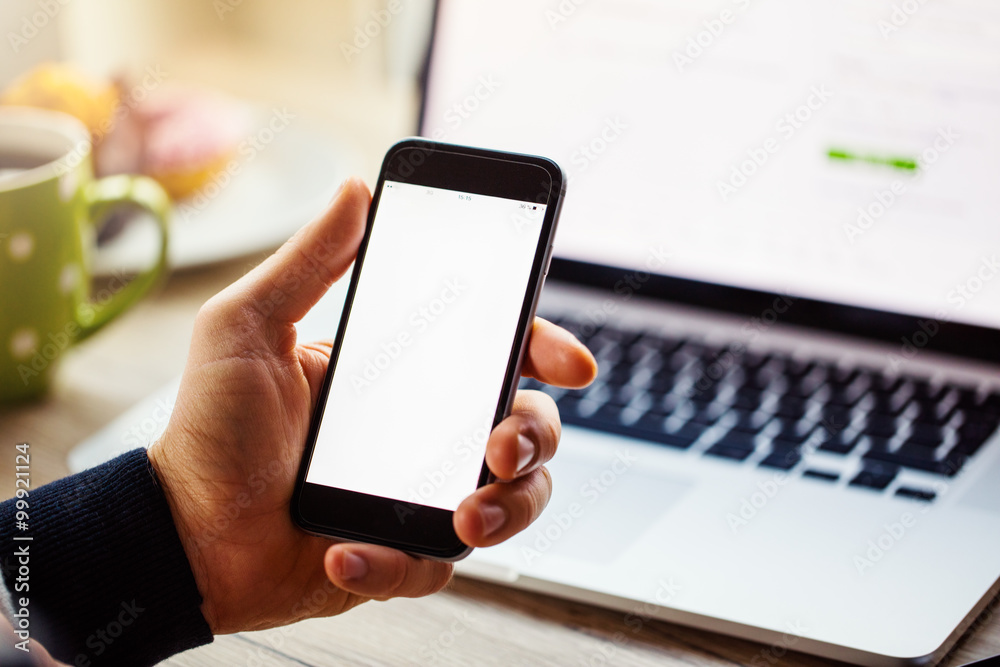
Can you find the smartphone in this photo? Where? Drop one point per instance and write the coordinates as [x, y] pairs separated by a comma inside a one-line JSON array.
[[428, 353]]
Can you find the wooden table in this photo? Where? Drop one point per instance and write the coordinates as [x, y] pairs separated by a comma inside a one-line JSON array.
[[470, 623]]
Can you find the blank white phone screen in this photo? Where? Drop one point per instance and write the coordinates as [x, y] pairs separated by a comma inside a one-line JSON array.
[[428, 340]]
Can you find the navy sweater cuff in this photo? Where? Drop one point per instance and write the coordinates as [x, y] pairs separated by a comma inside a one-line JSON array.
[[109, 583]]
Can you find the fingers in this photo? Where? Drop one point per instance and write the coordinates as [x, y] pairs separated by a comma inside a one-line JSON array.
[[500, 510], [527, 438], [517, 449], [381, 572], [556, 357], [290, 282]]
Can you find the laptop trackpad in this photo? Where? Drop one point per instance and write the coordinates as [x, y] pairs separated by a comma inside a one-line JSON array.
[[599, 508], [985, 493]]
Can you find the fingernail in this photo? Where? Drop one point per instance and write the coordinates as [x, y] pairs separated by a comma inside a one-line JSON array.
[[493, 517], [525, 452], [352, 566]]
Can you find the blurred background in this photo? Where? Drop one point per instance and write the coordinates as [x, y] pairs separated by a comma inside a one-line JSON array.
[[295, 96], [288, 54]]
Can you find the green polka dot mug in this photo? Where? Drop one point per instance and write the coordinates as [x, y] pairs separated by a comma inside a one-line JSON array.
[[49, 201]]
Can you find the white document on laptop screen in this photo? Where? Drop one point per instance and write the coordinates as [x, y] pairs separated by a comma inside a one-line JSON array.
[[767, 144]]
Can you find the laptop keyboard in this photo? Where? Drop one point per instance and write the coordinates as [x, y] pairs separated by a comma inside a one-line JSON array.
[[772, 410]]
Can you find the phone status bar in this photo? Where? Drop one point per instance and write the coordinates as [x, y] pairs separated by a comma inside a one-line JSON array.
[[528, 208]]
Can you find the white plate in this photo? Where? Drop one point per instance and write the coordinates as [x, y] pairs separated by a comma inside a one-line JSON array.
[[277, 190]]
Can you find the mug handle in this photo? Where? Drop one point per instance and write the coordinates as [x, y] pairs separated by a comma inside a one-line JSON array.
[[101, 195]]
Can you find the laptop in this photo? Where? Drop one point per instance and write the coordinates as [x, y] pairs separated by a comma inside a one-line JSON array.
[[780, 242]]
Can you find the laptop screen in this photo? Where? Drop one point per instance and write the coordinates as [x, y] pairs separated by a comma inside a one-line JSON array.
[[847, 152]]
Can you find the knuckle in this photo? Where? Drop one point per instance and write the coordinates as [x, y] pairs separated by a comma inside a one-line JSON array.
[[399, 577], [552, 432], [537, 493], [544, 490], [312, 261], [225, 309], [437, 579], [209, 312], [544, 424]]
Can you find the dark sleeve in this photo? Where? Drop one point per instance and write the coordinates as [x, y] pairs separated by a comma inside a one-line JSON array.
[[108, 580]]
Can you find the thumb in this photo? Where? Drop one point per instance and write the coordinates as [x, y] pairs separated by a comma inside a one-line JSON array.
[[290, 282]]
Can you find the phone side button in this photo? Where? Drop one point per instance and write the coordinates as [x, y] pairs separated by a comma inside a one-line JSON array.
[[548, 261]]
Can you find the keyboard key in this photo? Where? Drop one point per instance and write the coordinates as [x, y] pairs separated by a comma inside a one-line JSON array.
[[933, 414], [652, 420], [583, 331], [918, 457], [669, 403], [781, 458], [840, 376], [624, 337], [916, 494], [598, 392], [568, 405], [801, 387], [824, 475], [704, 417], [926, 392], [841, 442], [880, 426], [927, 434], [748, 420], [749, 400], [876, 475], [688, 430], [650, 430], [704, 393], [911, 456], [977, 425], [623, 395], [797, 368], [619, 374], [665, 344], [991, 403], [791, 406], [662, 383], [727, 451], [642, 352], [790, 431], [968, 445], [737, 438], [754, 360], [735, 444], [608, 413], [953, 462], [918, 451], [886, 384], [889, 404], [834, 418], [847, 395]]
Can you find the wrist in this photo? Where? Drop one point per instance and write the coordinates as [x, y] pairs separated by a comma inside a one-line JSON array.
[[183, 504]]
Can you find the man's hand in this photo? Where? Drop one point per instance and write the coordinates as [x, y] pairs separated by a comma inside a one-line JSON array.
[[229, 456]]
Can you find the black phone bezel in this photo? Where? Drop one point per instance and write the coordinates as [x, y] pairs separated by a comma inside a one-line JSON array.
[[420, 529]]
